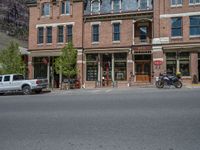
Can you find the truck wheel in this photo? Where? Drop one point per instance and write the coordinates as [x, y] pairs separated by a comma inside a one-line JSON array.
[[1, 94], [38, 91], [26, 90]]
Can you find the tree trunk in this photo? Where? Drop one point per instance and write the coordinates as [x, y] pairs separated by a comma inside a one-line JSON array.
[[60, 80]]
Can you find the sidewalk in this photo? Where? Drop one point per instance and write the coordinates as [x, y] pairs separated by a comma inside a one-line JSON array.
[[193, 86]]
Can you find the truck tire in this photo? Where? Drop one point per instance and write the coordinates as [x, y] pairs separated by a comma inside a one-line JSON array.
[[1, 94], [26, 90]]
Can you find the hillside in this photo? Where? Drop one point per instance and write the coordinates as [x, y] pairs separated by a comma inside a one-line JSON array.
[[5, 39], [13, 22]]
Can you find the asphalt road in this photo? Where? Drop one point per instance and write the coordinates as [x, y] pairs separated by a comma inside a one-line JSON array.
[[102, 119]]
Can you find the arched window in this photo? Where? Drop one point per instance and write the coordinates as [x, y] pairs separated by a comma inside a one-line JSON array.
[[95, 6]]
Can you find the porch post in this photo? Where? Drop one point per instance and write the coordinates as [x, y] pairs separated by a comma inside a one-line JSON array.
[[30, 67], [113, 78], [177, 62], [48, 71], [99, 68], [134, 79]]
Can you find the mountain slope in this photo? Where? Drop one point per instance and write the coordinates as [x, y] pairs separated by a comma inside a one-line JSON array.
[[13, 22]]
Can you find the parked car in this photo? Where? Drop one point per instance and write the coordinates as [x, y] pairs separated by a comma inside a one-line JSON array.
[[17, 83]]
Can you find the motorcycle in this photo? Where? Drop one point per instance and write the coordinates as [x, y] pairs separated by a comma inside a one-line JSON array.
[[168, 80]]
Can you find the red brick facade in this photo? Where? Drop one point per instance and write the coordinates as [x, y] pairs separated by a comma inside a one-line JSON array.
[[164, 42], [141, 51]]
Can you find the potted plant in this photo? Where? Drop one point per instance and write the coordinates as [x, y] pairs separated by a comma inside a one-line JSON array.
[[179, 75]]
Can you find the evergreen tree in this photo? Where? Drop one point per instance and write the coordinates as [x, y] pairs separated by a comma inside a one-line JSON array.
[[11, 60]]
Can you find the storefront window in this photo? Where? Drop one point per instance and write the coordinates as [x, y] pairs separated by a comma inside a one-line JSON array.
[[171, 63], [184, 64], [183, 59], [92, 67], [120, 66], [40, 67]]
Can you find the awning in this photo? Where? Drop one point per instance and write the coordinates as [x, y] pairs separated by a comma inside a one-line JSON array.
[[109, 50], [186, 47], [24, 51], [46, 53]]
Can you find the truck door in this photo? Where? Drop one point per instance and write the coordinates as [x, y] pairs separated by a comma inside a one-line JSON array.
[[17, 80], [1, 83], [7, 84]]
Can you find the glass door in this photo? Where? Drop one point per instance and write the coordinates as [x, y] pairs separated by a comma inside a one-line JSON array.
[[143, 71], [107, 70]]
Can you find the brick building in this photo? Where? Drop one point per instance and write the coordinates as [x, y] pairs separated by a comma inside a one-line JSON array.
[[177, 37], [118, 41]]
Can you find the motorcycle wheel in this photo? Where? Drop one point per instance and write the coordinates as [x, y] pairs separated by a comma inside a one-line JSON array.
[[159, 84], [178, 84]]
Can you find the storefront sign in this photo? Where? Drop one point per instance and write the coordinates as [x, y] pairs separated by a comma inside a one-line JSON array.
[[142, 49], [158, 62]]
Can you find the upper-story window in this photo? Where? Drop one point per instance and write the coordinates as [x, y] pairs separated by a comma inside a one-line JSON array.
[[144, 4], [65, 9], [194, 2], [116, 31], [116, 5], [176, 2], [95, 33], [95, 6], [69, 35], [60, 34], [176, 27], [49, 35], [46, 9], [195, 26], [40, 39], [143, 33]]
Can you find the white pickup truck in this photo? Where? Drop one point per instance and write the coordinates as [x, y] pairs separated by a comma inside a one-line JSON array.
[[17, 83]]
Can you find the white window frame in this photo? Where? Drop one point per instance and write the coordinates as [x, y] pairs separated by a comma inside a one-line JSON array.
[[120, 5], [92, 6], [65, 14], [148, 4], [194, 3], [176, 5], [43, 15]]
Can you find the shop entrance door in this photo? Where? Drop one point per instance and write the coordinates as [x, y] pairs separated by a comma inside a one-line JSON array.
[[143, 71], [107, 70]]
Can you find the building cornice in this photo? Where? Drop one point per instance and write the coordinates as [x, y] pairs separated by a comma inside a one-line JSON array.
[[33, 3], [179, 15], [181, 46], [119, 16]]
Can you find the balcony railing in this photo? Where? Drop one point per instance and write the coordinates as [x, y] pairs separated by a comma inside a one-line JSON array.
[[139, 41]]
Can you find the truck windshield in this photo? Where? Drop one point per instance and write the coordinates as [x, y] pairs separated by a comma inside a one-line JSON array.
[[0, 79]]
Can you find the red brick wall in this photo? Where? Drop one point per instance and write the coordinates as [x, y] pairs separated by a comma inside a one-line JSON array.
[[55, 17], [105, 34], [162, 27]]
